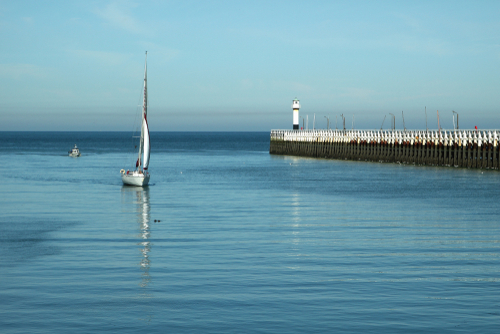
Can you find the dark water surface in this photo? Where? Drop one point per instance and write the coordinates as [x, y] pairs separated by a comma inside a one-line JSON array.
[[243, 242]]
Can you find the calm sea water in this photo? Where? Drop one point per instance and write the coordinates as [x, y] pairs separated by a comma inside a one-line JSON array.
[[229, 239]]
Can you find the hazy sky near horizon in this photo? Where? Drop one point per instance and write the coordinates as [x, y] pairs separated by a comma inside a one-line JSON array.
[[234, 65]]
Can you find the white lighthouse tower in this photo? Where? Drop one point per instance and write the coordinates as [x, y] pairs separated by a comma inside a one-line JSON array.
[[295, 108]]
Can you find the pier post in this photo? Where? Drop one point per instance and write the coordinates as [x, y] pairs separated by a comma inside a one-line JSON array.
[[495, 150]]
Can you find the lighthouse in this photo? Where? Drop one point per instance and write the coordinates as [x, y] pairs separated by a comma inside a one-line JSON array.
[[295, 108]]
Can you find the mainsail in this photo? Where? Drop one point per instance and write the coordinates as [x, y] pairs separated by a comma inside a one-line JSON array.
[[147, 148], [144, 145]]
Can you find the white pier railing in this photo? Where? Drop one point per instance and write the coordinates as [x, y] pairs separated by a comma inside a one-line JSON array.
[[437, 137]]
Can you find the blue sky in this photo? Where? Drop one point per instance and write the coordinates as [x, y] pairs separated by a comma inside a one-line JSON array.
[[237, 66]]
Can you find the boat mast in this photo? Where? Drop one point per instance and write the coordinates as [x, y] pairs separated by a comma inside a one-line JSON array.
[[145, 99], [144, 110]]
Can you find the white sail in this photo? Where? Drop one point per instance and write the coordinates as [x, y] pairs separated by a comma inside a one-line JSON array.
[[147, 148], [144, 143], [145, 128]]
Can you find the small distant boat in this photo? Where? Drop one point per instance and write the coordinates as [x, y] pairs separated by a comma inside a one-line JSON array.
[[75, 152], [140, 176]]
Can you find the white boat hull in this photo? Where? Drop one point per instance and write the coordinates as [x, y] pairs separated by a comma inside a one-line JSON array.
[[135, 179]]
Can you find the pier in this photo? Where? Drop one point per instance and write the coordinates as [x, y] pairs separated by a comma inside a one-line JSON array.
[[453, 148]]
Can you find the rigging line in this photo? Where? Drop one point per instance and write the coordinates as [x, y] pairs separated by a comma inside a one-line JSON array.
[[137, 125], [133, 139]]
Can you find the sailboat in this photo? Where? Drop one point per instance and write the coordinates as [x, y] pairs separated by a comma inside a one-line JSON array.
[[140, 176]]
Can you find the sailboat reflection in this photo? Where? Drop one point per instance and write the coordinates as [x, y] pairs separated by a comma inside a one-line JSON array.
[[138, 198]]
